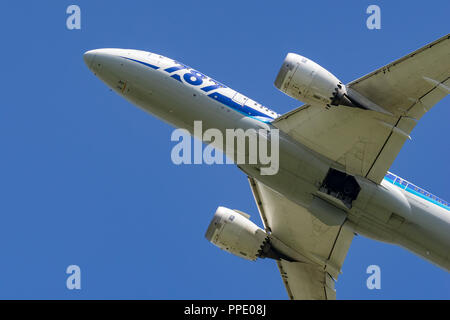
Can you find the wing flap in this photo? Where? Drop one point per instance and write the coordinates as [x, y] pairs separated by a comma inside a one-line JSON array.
[[324, 247], [306, 282], [400, 132]]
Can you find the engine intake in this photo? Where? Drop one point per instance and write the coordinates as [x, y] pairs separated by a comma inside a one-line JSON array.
[[232, 231], [305, 80]]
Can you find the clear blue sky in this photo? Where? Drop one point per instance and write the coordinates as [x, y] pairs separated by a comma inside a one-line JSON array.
[[86, 178]]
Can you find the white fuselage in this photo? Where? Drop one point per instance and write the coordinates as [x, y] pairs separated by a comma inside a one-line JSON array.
[[394, 211]]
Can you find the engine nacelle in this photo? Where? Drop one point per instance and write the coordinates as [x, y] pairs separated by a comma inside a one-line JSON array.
[[305, 80], [232, 231]]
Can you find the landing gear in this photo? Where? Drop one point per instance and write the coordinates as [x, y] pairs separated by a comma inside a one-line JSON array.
[[341, 186]]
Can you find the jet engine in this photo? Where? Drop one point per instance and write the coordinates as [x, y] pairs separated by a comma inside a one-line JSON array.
[[232, 231], [305, 80]]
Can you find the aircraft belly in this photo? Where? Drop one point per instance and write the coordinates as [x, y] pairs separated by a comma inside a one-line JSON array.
[[378, 213]]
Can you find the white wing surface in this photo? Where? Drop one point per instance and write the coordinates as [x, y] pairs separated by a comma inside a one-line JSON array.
[[366, 142], [322, 247]]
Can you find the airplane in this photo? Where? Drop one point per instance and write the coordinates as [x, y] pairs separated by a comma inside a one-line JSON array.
[[334, 155]]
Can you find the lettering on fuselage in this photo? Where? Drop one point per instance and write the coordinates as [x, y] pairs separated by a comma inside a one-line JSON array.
[[193, 77], [210, 87]]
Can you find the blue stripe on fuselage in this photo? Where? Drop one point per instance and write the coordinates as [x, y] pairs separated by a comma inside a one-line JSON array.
[[426, 198], [144, 63], [243, 109], [412, 191]]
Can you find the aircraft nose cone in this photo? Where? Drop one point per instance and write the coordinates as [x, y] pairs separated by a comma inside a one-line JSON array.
[[89, 58]]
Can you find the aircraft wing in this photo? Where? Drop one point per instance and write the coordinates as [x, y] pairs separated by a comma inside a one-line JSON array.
[[366, 142], [322, 248]]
